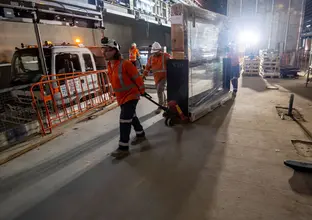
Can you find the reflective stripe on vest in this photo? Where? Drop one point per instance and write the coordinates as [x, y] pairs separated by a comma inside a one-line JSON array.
[[124, 88], [135, 77], [163, 66], [122, 84]]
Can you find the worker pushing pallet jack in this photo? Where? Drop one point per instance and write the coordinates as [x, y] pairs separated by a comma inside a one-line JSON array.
[[128, 86]]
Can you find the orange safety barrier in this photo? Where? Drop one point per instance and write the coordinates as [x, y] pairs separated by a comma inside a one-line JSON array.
[[62, 97]]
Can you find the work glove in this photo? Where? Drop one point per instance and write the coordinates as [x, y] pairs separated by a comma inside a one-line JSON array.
[[144, 94]]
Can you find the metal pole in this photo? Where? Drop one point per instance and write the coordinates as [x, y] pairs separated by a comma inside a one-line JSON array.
[[257, 3], [310, 55], [301, 24], [287, 26], [291, 104], [102, 23], [241, 8], [271, 26], [278, 43], [308, 77], [39, 42]]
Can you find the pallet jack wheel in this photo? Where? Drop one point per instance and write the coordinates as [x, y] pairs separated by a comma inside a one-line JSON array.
[[165, 115], [169, 122]]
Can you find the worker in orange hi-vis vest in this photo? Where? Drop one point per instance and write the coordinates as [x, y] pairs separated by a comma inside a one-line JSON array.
[[134, 54], [157, 64], [128, 86], [234, 56]]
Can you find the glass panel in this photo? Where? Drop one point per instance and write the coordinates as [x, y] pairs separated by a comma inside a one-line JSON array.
[[205, 56]]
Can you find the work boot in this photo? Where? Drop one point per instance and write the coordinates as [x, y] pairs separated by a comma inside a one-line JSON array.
[[120, 153], [138, 140], [158, 111]]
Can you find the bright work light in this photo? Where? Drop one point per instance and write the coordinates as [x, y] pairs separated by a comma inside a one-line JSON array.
[[248, 38]]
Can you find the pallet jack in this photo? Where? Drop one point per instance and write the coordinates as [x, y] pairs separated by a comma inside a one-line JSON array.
[[172, 112]]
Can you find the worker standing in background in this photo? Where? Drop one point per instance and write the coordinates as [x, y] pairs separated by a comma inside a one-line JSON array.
[[128, 86], [134, 54], [157, 64], [233, 55]]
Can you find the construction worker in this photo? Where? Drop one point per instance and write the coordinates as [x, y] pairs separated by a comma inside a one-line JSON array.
[[127, 86], [233, 55], [157, 64], [134, 54]]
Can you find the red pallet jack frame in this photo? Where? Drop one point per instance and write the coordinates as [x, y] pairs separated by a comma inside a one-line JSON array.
[[172, 114]]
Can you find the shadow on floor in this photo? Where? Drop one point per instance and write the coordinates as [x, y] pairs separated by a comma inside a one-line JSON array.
[[173, 180], [27, 177], [301, 183], [255, 83]]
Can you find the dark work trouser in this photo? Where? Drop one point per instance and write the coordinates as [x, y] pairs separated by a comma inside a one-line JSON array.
[[235, 76], [127, 118], [234, 84], [160, 87]]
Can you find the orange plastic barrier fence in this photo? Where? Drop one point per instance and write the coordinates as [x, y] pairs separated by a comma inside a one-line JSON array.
[[62, 97]]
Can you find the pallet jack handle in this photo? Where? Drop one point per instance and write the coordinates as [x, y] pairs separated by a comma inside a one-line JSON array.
[[150, 98]]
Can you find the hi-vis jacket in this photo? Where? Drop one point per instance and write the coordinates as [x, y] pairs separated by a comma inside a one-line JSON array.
[[133, 54], [158, 66], [126, 81]]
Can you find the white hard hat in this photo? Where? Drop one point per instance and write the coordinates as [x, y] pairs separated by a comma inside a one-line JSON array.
[[155, 47], [111, 43], [133, 44]]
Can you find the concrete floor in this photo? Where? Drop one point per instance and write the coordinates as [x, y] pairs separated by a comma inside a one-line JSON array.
[[296, 86], [228, 165]]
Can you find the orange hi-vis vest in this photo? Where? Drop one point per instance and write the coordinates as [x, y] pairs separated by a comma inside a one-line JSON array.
[[133, 54], [126, 81], [158, 66]]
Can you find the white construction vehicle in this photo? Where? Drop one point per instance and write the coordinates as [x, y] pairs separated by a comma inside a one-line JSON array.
[[59, 59]]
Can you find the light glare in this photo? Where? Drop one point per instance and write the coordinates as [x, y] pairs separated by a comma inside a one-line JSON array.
[[248, 38]]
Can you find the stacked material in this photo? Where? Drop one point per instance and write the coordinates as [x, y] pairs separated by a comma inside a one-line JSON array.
[[250, 67], [269, 63]]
